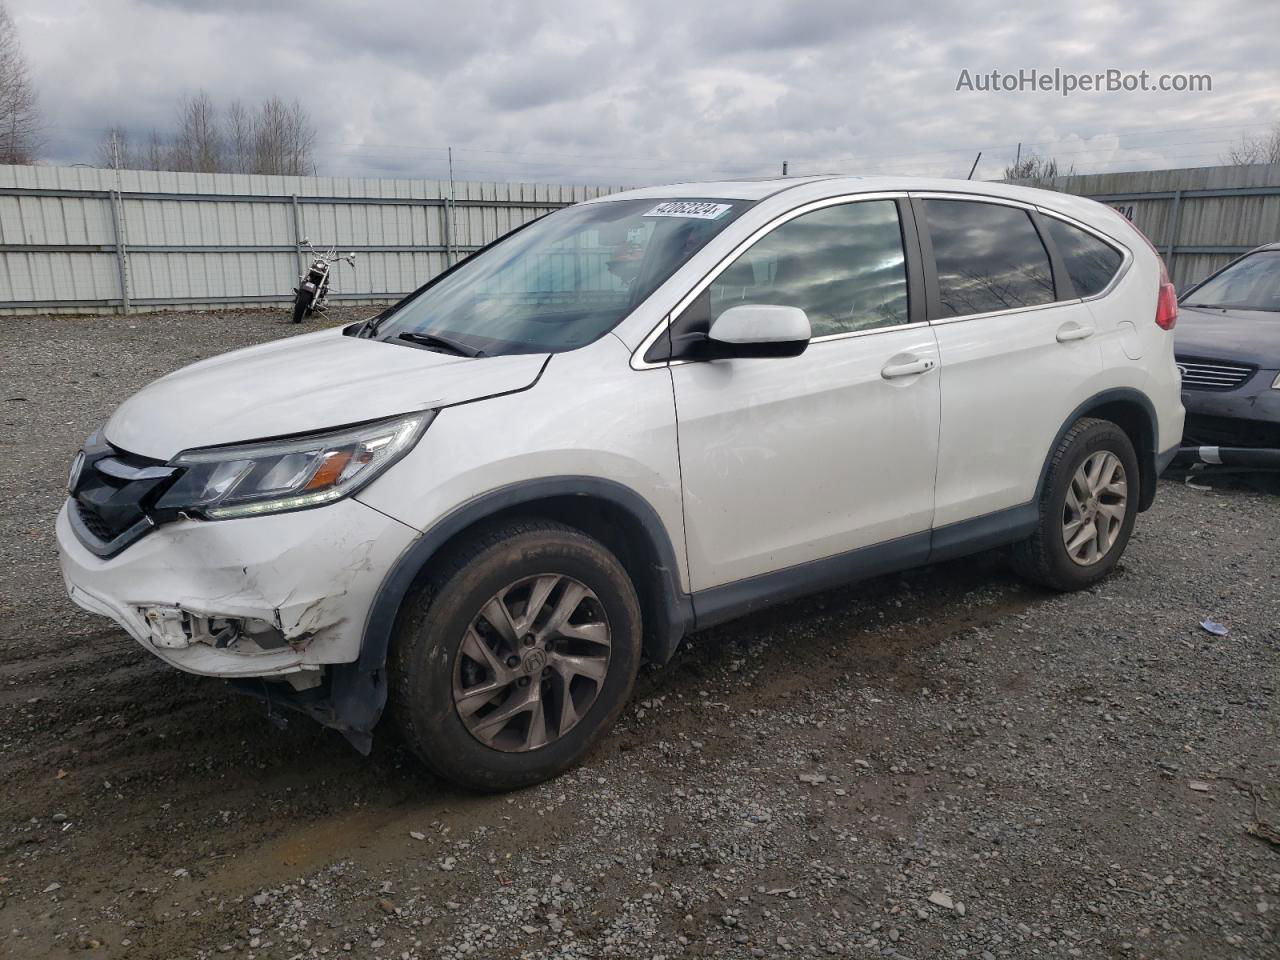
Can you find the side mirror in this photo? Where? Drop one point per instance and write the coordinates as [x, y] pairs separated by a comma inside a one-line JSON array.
[[758, 330]]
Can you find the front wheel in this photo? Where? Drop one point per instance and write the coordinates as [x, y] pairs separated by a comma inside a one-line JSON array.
[[516, 657], [302, 305], [1087, 508]]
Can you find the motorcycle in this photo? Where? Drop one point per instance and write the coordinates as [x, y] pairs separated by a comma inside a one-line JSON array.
[[313, 286]]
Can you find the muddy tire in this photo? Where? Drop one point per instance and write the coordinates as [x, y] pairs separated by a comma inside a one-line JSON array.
[[515, 657], [1087, 509]]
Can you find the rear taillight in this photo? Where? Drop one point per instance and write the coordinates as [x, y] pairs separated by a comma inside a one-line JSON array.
[[1166, 296], [1166, 302]]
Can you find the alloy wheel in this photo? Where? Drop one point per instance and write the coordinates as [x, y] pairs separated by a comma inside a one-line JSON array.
[[1097, 499], [531, 663]]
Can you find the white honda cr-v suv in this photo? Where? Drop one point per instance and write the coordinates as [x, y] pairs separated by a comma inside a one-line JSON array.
[[625, 421]]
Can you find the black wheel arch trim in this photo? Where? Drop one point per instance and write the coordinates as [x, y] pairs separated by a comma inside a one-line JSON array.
[[1148, 455], [358, 690]]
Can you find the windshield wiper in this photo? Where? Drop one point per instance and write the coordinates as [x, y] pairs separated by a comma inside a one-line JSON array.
[[370, 326], [1232, 306], [433, 341]]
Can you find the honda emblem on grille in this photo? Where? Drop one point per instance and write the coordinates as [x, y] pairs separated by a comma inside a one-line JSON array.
[[73, 478]]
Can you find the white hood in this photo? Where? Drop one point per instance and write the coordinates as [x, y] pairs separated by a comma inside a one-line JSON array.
[[302, 385]]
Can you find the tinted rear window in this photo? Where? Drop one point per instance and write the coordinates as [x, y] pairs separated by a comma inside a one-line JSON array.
[[1090, 263], [989, 257]]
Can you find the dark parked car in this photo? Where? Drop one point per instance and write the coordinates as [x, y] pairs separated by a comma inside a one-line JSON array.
[[1228, 349]]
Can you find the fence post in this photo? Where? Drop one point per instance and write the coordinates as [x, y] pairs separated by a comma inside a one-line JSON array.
[[1175, 222], [452, 216], [447, 234], [122, 255], [297, 233]]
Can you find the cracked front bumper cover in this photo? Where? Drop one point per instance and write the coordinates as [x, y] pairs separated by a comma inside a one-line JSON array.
[[1234, 429], [1248, 416], [311, 574]]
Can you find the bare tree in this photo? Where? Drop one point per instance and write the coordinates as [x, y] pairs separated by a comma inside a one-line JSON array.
[[116, 149], [1036, 169], [239, 138], [278, 138], [156, 155], [301, 140], [198, 143], [108, 152], [284, 138], [1259, 149], [268, 137], [19, 120]]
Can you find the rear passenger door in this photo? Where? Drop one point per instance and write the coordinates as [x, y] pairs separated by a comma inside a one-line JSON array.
[[1018, 350]]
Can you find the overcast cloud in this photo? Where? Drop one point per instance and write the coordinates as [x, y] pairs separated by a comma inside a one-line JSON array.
[[606, 91]]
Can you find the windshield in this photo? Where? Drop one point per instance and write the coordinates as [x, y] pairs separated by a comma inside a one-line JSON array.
[[1249, 284], [562, 281]]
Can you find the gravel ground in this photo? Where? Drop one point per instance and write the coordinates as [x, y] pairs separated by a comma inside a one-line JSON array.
[[945, 763]]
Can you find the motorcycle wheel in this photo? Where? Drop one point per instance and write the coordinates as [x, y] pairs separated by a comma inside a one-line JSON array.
[[301, 305]]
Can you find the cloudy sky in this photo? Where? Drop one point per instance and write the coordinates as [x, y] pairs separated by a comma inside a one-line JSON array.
[[631, 92]]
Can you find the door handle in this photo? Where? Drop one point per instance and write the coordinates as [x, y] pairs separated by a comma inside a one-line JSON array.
[[906, 368], [1074, 331]]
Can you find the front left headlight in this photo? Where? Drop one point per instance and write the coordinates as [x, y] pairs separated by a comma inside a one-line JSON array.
[[221, 483]]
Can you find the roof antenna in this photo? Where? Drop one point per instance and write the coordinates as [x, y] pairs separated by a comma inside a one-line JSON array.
[[975, 165]]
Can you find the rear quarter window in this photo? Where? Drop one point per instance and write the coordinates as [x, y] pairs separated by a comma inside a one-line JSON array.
[[1090, 262]]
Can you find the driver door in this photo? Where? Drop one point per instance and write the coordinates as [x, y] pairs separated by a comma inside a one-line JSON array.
[[787, 461]]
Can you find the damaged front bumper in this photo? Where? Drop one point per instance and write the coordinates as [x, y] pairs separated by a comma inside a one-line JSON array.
[[277, 597], [1233, 429], [1235, 458]]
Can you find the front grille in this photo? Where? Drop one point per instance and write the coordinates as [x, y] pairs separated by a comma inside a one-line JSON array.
[[1212, 374], [113, 497], [94, 522]]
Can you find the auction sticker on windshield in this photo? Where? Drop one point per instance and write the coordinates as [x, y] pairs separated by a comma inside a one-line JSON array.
[[698, 209]]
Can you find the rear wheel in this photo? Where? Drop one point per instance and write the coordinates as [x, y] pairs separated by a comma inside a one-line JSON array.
[[1087, 508], [516, 657]]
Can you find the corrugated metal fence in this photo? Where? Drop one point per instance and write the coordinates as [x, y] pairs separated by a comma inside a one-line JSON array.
[[87, 240], [1199, 217]]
